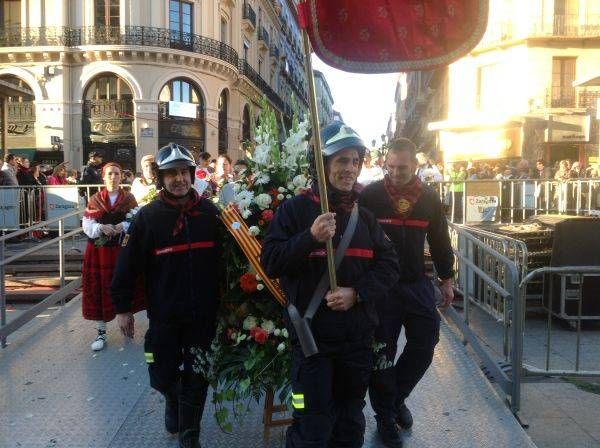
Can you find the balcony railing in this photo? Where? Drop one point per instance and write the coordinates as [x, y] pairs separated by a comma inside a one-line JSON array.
[[249, 15], [124, 35], [589, 98], [263, 36], [560, 97], [246, 70]]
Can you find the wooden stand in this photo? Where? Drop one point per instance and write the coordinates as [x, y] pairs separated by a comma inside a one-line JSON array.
[[268, 412]]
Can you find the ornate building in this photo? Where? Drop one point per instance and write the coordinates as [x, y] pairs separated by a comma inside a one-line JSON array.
[[516, 94], [123, 77]]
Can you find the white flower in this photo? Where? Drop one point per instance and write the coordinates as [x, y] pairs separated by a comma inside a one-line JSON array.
[[246, 214], [284, 333], [236, 187], [243, 199], [277, 332], [254, 230], [281, 347], [268, 326], [288, 196], [280, 197], [291, 186], [261, 154], [261, 178], [128, 215], [260, 287], [263, 200], [250, 322], [299, 181], [257, 277], [281, 189]]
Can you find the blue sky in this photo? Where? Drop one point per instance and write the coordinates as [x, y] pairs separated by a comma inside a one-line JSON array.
[[365, 101]]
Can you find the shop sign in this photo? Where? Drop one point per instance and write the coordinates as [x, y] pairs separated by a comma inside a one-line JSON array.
[[9, 208], [567, 128], [60, 201], [179, 109], [147, 132]]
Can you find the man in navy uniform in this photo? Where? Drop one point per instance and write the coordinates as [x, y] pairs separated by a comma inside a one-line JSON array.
[[409, 212], [328, 388], [174, 242]]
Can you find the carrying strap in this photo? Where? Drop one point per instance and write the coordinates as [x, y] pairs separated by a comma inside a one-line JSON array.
[[323, 284]]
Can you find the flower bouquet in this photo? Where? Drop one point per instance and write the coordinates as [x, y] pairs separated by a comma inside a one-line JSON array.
[[250, 353]]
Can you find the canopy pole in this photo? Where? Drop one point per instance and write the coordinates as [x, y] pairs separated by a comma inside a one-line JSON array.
[[316, 135]]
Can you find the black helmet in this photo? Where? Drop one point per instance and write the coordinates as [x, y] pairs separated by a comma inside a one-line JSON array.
[[174, 156], [336, 137]]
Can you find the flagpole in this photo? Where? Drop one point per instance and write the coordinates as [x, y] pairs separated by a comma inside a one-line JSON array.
[[318, 153]]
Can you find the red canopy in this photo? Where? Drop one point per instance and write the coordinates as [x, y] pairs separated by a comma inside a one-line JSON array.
[[380, 36]]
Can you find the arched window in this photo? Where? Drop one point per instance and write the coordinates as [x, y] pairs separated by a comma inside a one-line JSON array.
[[181, 114], [19, 134], [246, 124], [108, 115], [223, 131]]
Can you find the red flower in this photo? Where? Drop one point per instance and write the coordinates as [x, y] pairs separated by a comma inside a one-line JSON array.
[[267, 215], [261, 222], [229, 333], [248, 282], [201, 174], [260, 335]]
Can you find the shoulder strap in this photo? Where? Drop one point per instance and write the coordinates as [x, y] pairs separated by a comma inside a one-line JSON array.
[[323, 284]]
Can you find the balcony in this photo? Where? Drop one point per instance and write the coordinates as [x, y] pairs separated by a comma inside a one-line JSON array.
[[143, 36], [247, 71], [248, 18], [274, 53], [263, 39], [588, 98], [560, 97]]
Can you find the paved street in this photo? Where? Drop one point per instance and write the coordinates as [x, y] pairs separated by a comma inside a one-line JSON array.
[[54, 392]]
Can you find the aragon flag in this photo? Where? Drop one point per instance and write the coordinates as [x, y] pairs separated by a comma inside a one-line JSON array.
[[383, 36]]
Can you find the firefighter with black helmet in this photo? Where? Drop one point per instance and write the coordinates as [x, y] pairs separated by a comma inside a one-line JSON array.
[[329, 387], [174, 243]]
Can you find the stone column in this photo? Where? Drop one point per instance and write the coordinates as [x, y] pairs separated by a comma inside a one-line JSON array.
[[212, 131], [146, 129]]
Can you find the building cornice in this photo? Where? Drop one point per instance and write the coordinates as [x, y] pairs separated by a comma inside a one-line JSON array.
[[539, 42]]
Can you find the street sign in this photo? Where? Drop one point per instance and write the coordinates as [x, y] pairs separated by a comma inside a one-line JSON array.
[[54, 140]]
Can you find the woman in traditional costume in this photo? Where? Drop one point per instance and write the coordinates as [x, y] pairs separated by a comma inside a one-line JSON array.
[[104, 222]]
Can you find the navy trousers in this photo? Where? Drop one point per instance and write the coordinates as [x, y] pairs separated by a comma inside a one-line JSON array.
[[412, 306]]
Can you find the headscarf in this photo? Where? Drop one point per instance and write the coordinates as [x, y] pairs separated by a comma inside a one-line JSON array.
[[403, 198], [99, 204]]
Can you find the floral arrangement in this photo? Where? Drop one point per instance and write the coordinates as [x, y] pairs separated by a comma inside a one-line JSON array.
[[250, 353]]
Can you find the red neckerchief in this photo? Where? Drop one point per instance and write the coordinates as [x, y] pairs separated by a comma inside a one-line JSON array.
[[339, 201], [99, 204], [185, 209], [403, 198]]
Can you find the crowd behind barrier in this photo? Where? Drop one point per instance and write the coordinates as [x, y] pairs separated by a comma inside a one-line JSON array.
[[471, 201]]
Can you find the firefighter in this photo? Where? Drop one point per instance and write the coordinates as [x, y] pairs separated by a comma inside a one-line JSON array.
[[328, 388], [409, 212], [174, 242]]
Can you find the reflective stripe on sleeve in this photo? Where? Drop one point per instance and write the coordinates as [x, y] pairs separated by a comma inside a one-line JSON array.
[[298, 401], [149, 357]]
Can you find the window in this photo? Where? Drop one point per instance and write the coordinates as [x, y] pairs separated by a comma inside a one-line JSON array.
[[223, 131], [179, 90], [106, 12], [10, 13], [260, 64], [246, 48], [180, 22], [563, 75], [566, 17], [224, 31]]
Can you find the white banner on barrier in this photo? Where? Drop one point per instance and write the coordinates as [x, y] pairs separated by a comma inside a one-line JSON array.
[[60, 201], [482, 208], [9, 208]]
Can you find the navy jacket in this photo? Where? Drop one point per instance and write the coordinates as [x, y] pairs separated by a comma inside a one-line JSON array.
[[427, 220], [370, 266], [181, 272]]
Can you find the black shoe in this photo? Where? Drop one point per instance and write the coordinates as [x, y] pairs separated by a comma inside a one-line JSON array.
[[172, 415], [403, 417], [189, 425], [389, 434]]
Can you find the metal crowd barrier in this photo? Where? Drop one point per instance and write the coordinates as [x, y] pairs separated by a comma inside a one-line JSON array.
[[500, 279], [490, 278], [7, 329]]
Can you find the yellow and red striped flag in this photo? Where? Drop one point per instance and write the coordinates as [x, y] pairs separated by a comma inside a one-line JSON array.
[[251, 247]]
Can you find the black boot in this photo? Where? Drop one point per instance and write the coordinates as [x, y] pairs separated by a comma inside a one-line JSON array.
[[189, 425], [404, 417], [172, 413], [390, 436]]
